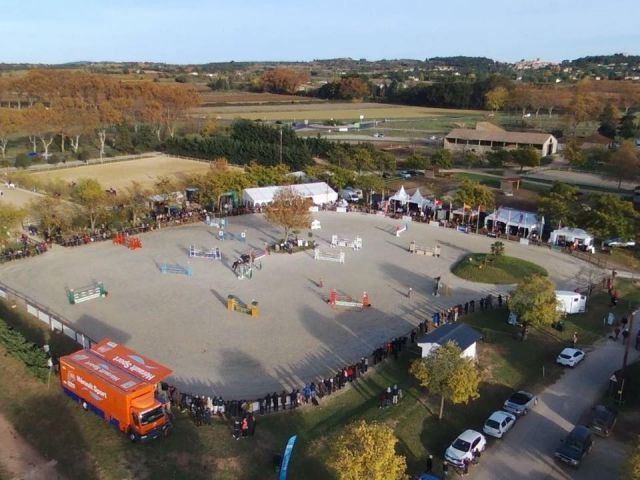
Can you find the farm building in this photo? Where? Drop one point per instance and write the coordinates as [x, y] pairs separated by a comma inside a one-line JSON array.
[[461, 334], [320, 193], [485, 138]]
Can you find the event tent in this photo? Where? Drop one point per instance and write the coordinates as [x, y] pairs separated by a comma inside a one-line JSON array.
[[417, 198], [400, 197], [320, 193], [565, 235], [525, 222]]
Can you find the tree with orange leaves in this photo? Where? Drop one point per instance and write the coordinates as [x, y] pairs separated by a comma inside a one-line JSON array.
[[282, 80]]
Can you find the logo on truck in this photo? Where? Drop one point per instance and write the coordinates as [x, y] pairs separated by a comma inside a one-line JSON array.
[[94, 391], [132, 367]]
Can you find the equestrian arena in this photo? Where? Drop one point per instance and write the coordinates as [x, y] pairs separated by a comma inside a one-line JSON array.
[[173, 306]]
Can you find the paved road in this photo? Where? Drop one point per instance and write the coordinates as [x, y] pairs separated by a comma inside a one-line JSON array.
[[527, 451]]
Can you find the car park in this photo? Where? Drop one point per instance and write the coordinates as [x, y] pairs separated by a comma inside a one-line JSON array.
[[463, 448], [570, 357], [602, 420], [499, 423], [577, 444], [519, 403]]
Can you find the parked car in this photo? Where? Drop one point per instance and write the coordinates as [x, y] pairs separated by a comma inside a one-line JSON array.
[[577, 444], [499, 423], [378, 135], [619, 242], [429, 476], [404, 174], [463, 447], [520, 403], [570, 357], [602, 420]]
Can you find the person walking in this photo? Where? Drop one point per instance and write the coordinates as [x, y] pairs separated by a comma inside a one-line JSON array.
[[574, 340], [465, 467], [245, 427], [445, 469], [409, 293]]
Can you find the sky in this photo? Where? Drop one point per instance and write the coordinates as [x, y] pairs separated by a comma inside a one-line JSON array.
[[200, 31]]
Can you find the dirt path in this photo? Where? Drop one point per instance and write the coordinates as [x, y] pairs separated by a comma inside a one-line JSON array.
[[20, 459]]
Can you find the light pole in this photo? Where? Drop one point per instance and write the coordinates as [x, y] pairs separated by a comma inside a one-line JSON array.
[[280, 144]]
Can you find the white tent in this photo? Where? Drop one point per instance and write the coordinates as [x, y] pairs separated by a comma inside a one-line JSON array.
[[400, 196], [417, 198], [512, 218], [320, 193], [566, 235]]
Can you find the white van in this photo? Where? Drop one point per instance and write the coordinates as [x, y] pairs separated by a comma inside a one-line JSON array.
[[571, 302], [349, 195]]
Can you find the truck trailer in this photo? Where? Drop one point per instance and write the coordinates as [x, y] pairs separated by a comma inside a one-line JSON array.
[[119, 386]]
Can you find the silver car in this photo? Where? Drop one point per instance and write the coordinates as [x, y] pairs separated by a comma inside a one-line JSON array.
[[520, 403]]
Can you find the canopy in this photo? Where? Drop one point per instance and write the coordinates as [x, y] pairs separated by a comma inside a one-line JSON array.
[[570, 235], [511, 217], [417, 198], [320, 193], [400, 196]]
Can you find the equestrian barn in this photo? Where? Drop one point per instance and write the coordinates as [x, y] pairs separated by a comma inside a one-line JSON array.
[[485, 138]]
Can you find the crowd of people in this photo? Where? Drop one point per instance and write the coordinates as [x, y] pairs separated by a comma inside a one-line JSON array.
[[25, 247]]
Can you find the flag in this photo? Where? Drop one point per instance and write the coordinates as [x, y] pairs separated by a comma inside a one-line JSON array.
[[287, 456]]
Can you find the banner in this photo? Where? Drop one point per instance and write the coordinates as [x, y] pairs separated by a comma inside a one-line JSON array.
[[287, 456]]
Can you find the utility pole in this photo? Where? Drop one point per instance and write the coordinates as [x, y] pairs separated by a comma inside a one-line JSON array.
[[280, 144]]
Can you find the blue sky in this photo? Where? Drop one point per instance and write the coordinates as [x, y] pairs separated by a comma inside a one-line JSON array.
[[199, 31]]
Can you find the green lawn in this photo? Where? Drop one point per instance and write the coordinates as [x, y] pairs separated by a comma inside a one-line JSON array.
[[499, 270], [85, 447]]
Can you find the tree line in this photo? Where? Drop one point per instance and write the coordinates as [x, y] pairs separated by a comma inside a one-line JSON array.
[[70, 106]]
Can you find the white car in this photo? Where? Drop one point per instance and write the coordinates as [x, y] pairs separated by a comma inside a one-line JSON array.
[[499, 423], [570, 357], [463, 447]]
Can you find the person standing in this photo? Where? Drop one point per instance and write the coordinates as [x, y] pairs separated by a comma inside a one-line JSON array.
[[245, 427], [574, 340], [429, 464], [445, 469], [409, 293], [465, 467]]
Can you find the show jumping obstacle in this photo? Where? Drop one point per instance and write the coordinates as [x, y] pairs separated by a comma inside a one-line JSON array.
[[235, 305], [402, 229], [176, 268], [211, 254], [328, 256], [344, 301], [218, 223], [429, 252], [132, 243], [356, 243], [83, 294]]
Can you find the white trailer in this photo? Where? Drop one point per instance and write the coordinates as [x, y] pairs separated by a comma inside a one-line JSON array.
[[571, 302]]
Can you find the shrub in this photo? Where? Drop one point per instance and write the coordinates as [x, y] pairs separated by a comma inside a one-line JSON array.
[[22, 160], [17, 346], [83, 155]]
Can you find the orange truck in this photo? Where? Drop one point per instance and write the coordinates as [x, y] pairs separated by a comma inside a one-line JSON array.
[[119, 385]]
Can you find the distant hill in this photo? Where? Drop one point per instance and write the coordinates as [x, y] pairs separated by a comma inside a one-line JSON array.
[[615, 59]]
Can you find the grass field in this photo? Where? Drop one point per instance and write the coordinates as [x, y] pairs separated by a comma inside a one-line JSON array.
[[501, 270], [86, 447], [325, 111], [121, 174]]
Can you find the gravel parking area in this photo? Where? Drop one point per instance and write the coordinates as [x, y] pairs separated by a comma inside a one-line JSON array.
[[183, 321]]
